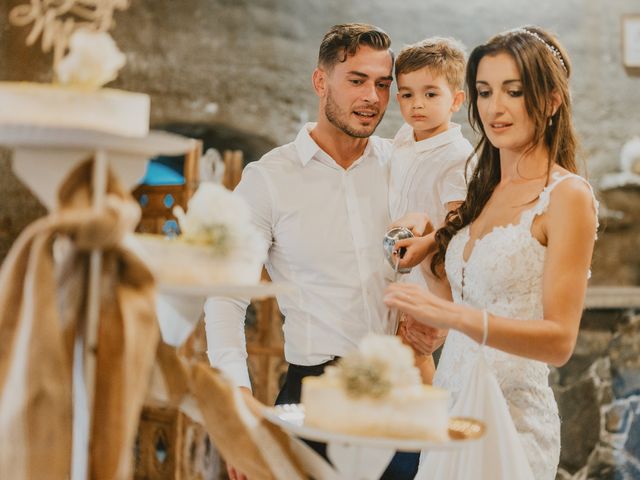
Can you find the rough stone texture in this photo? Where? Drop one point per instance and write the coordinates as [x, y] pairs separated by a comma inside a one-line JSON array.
[[608, 464], [602, 320], [18, 207], [625, 361], [590, 346], [602, 465], [579, 411], [632, 445], [616, 259], [599, 403]]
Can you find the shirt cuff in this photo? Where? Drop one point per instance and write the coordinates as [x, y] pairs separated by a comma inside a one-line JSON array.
[[236, 372]]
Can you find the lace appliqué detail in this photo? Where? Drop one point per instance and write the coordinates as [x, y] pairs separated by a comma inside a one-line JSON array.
[[503, 275]]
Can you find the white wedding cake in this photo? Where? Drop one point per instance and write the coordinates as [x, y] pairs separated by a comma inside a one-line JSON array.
[[77, 101], [376, 391], [105, 110], [217, 244]]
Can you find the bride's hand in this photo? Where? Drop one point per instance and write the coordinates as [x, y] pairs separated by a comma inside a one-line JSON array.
[[422, 305], [419, 223]]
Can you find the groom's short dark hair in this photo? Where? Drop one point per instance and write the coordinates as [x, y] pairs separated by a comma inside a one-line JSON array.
[[341, 41]]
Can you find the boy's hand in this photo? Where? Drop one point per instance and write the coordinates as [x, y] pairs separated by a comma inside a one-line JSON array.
[[419, 223], [417, 249]]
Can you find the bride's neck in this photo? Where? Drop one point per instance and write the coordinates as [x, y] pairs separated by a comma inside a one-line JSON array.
[[522, 166]]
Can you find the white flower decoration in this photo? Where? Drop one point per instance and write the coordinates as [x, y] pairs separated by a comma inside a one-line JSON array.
[[93, 60], [221, 220], [381, 363]]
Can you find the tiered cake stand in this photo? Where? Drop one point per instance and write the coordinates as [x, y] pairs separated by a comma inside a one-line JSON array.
[[42, 158]]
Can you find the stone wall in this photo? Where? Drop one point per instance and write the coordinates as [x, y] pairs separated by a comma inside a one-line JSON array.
[[598, 395], [616, 259], [18, 206]]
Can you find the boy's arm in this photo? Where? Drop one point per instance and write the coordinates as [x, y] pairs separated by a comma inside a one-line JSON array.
[[420, 249]]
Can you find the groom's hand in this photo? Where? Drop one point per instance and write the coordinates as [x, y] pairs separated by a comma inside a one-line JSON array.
[[234, 474], [424, 340]]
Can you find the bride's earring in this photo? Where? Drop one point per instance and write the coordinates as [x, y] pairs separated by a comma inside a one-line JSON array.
[[550, 121]]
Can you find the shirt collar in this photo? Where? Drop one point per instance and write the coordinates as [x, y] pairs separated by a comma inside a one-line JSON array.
[[305, 145], [452, 133], [308, 148]]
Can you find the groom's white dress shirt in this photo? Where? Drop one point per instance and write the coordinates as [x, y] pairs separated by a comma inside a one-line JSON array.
[[324, 226]]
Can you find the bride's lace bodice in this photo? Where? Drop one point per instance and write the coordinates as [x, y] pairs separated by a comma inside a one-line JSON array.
[[503, 275]]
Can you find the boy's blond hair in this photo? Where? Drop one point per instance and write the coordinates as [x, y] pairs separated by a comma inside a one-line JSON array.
[[443, 56]]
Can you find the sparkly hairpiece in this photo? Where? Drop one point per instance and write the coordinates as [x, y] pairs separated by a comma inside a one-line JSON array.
[[555, 52]]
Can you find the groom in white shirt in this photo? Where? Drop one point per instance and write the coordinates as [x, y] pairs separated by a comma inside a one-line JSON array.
[[321, 203]]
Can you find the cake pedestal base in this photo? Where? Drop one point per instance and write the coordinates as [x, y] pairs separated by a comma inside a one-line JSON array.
[[360, 457], [356, 461]]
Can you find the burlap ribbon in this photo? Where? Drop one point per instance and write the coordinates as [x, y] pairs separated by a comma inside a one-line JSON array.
[[43, 291], [234, 421]]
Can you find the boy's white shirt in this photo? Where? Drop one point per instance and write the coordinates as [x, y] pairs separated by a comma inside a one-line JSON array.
[[426, 175]]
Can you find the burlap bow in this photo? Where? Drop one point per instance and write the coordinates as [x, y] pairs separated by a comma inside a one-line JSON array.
[[43, 291]]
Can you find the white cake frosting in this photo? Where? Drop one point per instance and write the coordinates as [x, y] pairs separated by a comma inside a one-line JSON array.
[[218, 243], [376, 391], [106, 110]]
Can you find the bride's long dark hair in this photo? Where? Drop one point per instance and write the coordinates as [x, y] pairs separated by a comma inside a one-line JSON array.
[[544, 70]]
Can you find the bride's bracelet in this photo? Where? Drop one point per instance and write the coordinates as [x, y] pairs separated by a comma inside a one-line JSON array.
[[485, 327]]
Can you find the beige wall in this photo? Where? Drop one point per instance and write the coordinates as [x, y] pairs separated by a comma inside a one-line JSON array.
[[254, 58]]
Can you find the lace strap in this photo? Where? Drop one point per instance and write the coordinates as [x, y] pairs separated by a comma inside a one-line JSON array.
[[545, 197]]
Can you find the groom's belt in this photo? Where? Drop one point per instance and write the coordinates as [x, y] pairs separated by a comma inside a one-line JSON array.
[[315, 370]]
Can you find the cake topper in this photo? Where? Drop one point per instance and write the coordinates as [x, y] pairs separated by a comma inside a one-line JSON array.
[[56, 21]]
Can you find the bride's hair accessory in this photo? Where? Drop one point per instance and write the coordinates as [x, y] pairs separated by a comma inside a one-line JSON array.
[[554, 51]]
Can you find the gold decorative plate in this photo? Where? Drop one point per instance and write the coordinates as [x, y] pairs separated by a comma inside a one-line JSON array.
[[465, 428]]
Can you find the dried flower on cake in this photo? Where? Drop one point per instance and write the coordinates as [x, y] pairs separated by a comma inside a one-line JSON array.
[[221, 221], [381, 364]]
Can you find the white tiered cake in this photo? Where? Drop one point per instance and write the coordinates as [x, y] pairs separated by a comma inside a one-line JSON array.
[[218, 243], [77, 101], [376, 391], [105, 110]]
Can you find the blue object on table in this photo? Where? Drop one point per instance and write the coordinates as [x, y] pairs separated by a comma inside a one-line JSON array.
[[160, 173]]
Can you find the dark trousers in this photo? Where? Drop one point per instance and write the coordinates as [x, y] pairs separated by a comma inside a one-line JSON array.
[[403, 466]]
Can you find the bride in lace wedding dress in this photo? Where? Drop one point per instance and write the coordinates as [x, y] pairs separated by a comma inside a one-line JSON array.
[[516, 254]]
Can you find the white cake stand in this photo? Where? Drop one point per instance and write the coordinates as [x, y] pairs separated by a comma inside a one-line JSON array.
[[179, 307], [42, 158], [362, 457]]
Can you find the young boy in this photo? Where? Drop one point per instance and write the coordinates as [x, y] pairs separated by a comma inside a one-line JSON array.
[[429, 151]]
